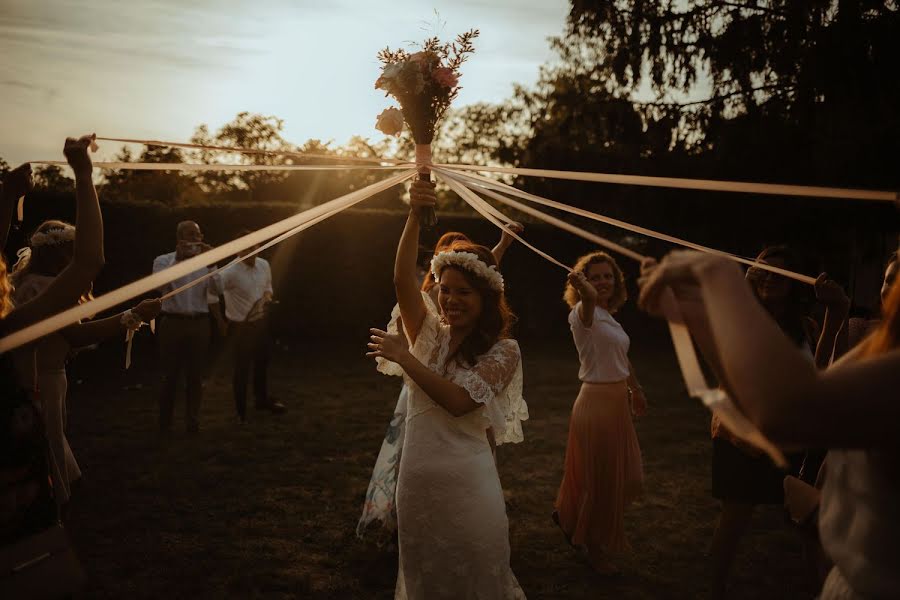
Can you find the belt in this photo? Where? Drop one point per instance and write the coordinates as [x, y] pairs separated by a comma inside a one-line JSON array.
[[184, 316]]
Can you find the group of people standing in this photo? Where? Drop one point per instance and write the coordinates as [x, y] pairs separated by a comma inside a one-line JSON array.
[[462, 395], [61, 259], [184, 328], [451, 340]]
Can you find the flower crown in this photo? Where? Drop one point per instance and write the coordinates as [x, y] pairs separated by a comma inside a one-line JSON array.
[[470, 262], [53, 237]]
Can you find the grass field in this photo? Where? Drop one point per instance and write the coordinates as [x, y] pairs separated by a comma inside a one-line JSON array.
[[269, 509]]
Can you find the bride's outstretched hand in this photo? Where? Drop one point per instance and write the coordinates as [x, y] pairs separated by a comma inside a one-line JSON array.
[[390, 346]]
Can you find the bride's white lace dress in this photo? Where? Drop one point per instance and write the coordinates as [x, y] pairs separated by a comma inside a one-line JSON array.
[[451, 514]]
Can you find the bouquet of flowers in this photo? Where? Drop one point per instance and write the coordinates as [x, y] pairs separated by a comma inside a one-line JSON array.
[[424, 83]]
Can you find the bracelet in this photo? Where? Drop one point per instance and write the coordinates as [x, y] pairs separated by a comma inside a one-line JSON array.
[[131, 321]]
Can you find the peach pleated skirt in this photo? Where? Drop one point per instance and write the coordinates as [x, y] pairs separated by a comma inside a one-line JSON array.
[[603, 471]]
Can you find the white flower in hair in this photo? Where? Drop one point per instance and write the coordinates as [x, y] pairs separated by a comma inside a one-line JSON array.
[[471, 263], [53, 237]]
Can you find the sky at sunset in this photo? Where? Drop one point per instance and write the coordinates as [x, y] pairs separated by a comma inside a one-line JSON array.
[[158, 68]]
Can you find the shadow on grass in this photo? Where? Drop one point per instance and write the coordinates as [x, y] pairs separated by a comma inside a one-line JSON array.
[[269, 509]]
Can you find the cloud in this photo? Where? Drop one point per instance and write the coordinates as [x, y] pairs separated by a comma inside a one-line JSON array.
[[49, 93]]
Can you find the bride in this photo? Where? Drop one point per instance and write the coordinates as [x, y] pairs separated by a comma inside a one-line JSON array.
[[464, 374]]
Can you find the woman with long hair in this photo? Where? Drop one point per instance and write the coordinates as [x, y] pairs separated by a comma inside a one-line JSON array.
[[42, 365], [380, 502], [26, 502], [742, 476], [464, 374], [857, 416], [603, 472]]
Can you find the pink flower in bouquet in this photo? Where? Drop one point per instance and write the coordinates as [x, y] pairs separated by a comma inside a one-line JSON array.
[[390, 121], [445, 77], [424, 57]]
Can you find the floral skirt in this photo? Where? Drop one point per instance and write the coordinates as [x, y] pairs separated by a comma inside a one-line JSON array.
[[380, 505]]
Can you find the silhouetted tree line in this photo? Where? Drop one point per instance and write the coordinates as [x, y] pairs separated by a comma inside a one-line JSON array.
[[750, 90]]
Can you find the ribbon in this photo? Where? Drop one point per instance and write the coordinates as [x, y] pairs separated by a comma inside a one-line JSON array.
[[643, 180], [252, 150], [494, 185], [423, 158], [186, 267], [494, 216], [776, 189], [715, 399], [557, 222], [136, 166]]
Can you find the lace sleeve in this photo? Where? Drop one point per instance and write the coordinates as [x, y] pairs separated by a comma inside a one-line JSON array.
[[496, 382], [387, 367]]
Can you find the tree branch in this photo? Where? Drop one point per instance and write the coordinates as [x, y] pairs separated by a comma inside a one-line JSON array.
[[740, 6], [717, 98]]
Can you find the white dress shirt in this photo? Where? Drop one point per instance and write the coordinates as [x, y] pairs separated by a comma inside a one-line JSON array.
[[192, 301], [243, 287]]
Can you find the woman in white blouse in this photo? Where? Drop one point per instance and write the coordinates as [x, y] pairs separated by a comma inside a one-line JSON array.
[[603, 472]]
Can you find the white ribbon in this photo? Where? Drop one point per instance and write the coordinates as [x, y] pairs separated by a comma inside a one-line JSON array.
[[490, 184], [186, 267], [137, 166], [669, 182], [254, 151], [692, 184], [494, 216]]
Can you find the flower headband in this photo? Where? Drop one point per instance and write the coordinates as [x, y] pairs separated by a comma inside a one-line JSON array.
[[470, 262], [53, 237]]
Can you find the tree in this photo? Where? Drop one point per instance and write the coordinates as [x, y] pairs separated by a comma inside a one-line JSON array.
[[250, 131], [168, 187], [50, 178], [807, 89]]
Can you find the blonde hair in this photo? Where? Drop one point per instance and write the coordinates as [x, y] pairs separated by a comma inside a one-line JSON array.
[[6, 289], [620, 293], [887, 336]]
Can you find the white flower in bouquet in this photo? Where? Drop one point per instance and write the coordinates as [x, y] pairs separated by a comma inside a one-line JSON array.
[[390, 121]]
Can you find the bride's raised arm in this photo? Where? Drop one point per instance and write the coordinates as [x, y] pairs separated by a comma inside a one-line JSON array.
[[406, 284]]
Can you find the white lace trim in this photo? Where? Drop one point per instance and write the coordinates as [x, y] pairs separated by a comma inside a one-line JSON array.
[[504, 409], [387, 367]]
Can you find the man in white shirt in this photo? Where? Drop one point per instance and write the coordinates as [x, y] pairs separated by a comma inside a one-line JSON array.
[[247, 287], [183, 331]]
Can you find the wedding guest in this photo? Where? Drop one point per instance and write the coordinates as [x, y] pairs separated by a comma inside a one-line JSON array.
[[183, 329], [853, 403], [603, 472], [41, 365], [742, 476], [26, 500], [247, 288]]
